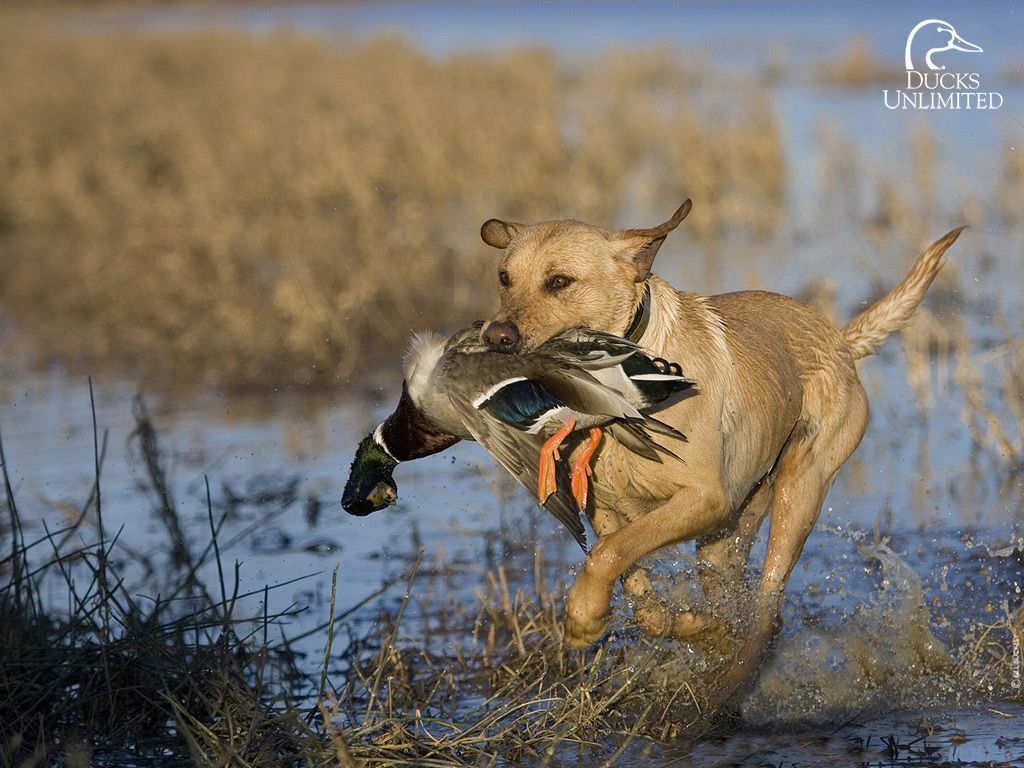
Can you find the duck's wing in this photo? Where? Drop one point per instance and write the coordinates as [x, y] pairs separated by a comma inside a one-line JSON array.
[[606, 376], [584, 358], [518, 451], [588, 346], [582, 391]]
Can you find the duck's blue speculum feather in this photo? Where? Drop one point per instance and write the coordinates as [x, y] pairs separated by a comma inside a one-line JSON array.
[[520, 403]]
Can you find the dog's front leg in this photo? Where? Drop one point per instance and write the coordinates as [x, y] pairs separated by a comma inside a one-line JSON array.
[[692, 512]]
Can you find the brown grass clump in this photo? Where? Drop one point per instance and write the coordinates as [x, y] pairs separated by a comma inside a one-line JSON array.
[[995, 420], [263, 211], [505, 687]]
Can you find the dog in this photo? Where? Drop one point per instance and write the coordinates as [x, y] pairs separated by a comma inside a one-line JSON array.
[[780, 409]]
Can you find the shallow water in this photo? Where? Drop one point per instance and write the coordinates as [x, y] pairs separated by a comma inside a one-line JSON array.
[[930, 737], [921, 539]]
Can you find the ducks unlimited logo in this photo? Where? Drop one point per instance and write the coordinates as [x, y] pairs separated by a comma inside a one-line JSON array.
[[935, 87]]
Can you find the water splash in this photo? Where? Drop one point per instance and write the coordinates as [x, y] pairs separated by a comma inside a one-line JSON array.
[[882, 654]]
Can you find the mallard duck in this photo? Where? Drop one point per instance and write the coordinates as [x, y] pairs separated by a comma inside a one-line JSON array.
[[521, 407]]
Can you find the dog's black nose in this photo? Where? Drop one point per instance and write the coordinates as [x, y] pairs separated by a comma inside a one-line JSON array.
[[502, 334]]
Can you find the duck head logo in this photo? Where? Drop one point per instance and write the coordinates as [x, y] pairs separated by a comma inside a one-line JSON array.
[[940, 36], [932, 86]]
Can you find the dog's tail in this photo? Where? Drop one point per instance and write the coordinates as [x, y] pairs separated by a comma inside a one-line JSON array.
[[891, 312]]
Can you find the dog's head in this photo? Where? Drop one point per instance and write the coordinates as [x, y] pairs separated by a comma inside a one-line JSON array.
[[557, 275]]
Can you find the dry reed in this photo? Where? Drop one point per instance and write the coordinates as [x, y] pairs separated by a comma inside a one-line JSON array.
[[994, 416], [264, 211]]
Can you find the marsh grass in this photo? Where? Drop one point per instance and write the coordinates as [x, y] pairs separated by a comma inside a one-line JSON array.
[[263, 211], [114, 673], [995, 419], [983, 373], [190, 676]]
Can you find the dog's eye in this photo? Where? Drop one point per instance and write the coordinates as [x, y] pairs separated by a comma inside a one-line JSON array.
[[558, 282], [503, 279]]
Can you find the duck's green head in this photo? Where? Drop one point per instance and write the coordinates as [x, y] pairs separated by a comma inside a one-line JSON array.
[[370, 483]]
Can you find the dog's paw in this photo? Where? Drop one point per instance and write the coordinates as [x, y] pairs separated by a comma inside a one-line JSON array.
[[583, 633], [585, 620], [705, 629]]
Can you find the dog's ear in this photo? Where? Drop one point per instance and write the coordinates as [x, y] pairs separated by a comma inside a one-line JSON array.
[[642, 244], [499, 233]]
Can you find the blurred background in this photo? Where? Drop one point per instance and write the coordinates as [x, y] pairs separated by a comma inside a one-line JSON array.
[[224, 194], [242, 210]]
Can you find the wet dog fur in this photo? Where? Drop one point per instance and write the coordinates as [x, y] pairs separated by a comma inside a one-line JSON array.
[[780, 409]]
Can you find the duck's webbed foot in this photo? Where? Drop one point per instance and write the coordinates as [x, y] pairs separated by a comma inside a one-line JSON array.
[[582, 470], [547, 482]]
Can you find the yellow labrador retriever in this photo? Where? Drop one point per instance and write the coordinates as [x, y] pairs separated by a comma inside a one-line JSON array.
[[780, 409]]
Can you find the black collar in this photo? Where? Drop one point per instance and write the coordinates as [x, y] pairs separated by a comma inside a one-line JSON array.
[[642, 317]]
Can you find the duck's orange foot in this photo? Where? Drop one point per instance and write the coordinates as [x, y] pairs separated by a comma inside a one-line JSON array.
[[549, 454], [582, 470]]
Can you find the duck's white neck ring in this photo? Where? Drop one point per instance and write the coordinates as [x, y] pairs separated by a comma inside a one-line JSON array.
[[642, 318], [378, 438]]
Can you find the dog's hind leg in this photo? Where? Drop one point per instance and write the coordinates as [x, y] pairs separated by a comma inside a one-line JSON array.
[[724, 556], [800, 498], [806, 470]]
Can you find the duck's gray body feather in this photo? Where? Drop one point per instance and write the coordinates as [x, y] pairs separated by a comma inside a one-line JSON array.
[[511, 403]]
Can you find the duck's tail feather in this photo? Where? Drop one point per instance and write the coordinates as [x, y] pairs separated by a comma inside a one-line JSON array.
[[656, 378], [633, 437], [660, 427], [682, 381]]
